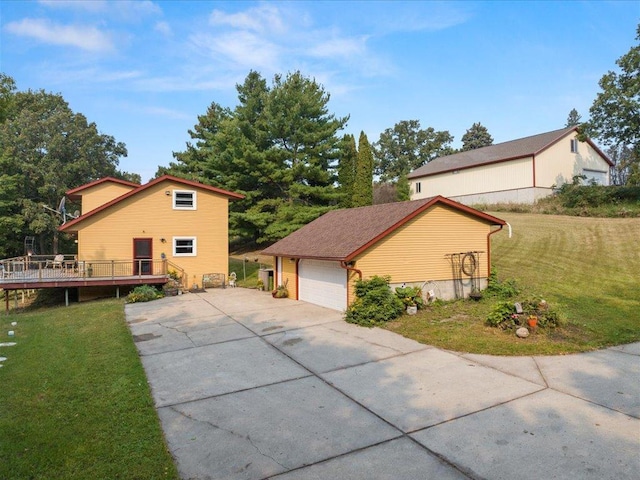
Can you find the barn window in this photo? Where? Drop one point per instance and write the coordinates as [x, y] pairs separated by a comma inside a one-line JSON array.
[[574, 145], [418, 187], [184, 246], [184, 200]]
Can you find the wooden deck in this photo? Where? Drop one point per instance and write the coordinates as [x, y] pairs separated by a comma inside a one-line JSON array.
[[33, 273]]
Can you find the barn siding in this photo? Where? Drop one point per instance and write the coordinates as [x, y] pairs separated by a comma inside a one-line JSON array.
[[108, 235], [557, 165], [515, 174]]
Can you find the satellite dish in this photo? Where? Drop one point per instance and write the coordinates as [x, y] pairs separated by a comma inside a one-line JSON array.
[[62, 204]]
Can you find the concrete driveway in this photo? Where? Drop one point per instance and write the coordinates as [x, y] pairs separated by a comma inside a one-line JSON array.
[[251, 387]]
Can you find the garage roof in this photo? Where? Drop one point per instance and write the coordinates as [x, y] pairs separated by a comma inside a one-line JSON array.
[[501, 152], [343, 234]]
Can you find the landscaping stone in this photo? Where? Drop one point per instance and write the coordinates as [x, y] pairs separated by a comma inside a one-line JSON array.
[[7, 344], [522, 332]]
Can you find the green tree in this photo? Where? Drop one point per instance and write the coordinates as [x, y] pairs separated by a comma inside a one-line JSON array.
[[406, 146], [279, 147], [477, 136], [347, 169], [573, 119], [46, 149], [363, 185], [615, 113]]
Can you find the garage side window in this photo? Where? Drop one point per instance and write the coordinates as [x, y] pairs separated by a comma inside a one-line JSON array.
[[184, 200], [184, 246], [418, 187]]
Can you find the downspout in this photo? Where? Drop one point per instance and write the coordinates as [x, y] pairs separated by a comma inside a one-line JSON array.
[[297, 280], [350, 269], [489, 249]]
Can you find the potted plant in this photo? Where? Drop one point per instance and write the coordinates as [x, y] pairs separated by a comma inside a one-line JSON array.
[[260, 285], [411, 298], [532, 321], [281, 291]]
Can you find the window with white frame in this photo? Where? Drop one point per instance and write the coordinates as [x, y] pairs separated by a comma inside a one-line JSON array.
[[418, 187], [574, 145], [184, 200], [184, 246]]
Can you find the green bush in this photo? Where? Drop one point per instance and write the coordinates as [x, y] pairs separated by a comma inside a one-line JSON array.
[[500, 289], [503, 314], [144, 293], [410, 296], [375, 303]]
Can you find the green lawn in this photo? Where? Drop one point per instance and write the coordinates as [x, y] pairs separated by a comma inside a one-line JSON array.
[[589, 268], [75, 400]]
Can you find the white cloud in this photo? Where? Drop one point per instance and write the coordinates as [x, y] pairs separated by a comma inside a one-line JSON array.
[[164, 28], [339, 47], [84, 37], [264, 18], [242, 49], [87, 5]]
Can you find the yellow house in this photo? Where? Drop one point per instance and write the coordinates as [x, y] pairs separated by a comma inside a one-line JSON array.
[[168, 221], [518, 171], [435, 243]]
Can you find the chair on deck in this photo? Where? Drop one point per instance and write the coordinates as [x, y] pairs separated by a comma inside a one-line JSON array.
[[57, 261]]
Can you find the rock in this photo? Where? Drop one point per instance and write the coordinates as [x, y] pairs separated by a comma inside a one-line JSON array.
[[522, 332]]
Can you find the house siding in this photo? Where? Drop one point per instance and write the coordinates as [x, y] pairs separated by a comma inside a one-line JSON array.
[[509, 175], [416, 252], [98, 195], [108, 235], [289, 274]]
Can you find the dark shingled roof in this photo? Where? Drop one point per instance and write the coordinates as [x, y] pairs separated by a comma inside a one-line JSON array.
[[523, 147], [342, 234]]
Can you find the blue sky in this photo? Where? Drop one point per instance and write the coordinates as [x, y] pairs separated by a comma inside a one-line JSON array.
[[143, 71]]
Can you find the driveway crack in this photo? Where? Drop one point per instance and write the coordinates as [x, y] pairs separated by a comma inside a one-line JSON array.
[[230, 432]]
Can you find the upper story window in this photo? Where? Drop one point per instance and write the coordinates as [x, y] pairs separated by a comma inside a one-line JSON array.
[[418, 187], [184, 200], [574, 145]]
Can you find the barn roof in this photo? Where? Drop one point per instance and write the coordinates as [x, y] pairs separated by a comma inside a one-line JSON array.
[[343, 234], [501, 152]]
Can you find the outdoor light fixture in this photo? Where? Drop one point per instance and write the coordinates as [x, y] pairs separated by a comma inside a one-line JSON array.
[[163, 240], [167, 193]]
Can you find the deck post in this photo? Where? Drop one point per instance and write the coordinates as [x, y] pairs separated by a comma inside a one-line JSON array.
[[6, 301], [66, 297], [117, 291]]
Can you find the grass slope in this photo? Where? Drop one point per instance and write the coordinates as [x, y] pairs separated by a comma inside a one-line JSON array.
[[75, 400], [588, 267]]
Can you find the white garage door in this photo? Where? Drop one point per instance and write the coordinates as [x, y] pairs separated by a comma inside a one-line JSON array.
[[323, 283]]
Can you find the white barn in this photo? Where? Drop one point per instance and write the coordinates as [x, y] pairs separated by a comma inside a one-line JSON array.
[[519, 171]]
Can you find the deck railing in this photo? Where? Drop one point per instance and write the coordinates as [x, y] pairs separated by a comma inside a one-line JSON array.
[[43, 267]]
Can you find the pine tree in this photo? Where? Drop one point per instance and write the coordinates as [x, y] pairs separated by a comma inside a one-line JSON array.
[[347, 169], [363, 186], [573, 119], [476, 137]]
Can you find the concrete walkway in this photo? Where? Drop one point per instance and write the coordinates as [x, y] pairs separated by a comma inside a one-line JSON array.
[[251, 387]]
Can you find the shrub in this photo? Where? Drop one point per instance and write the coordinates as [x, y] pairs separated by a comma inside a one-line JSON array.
[[375, 303], [410, 296], [500, 289], [143, 293], [503, 314]]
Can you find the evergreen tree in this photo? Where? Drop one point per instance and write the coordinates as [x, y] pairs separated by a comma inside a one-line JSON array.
[[363, 186], [347, 169], [279, 147], [476, 137], [573, 119]]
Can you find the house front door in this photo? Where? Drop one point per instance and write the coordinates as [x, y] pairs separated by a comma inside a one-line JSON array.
[[142, 256]]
